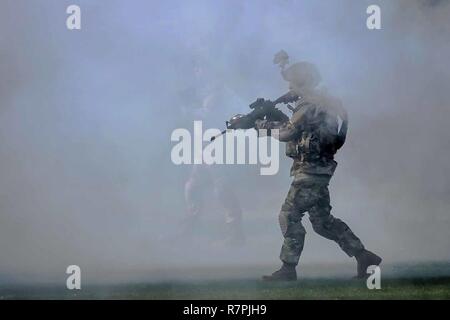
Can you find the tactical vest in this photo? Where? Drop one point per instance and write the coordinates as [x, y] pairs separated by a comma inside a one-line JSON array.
[[313, 151]]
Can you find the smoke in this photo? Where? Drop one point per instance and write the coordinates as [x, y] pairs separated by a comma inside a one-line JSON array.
[[86, 118]]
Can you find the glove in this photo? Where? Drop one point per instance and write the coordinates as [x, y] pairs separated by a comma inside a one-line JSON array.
[[261, 124]]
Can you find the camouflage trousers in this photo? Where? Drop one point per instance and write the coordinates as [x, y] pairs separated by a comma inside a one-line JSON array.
[[309, 193]]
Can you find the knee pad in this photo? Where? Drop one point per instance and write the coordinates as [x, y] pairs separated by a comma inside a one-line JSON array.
[[291, 224], [331, 227], [323, 225]]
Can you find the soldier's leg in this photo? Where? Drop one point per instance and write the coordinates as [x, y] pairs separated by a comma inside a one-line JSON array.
[[295, 205], [233, 211], [330, 227], [335, 229], [194, 194], [290, 219], [229, 201]]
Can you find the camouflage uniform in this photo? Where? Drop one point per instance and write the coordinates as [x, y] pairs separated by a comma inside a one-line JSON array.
[[310, 137]]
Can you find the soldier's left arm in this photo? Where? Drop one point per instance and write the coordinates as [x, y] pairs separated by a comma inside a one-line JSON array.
[[287, 131]]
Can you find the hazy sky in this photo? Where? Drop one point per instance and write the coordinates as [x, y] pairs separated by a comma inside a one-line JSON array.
[[86, 118]]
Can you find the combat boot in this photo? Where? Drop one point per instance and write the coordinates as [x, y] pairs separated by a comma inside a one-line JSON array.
[[285, 273], [365, 259]]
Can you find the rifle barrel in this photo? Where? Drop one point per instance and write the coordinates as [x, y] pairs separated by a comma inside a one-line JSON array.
[[214, 138]]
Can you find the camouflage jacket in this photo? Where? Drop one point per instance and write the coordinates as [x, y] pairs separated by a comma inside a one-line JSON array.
[[310, 137]]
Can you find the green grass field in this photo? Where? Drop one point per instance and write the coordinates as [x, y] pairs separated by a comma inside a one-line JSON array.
[[420, 281]]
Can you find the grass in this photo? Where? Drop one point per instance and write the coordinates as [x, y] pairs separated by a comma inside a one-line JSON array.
[[419, 284]]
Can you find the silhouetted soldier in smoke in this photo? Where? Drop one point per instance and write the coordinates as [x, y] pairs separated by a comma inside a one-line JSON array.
[[312, 137], [205, 100]]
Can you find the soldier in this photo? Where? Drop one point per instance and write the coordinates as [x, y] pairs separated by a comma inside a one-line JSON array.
[[312, 137], [204, 100]]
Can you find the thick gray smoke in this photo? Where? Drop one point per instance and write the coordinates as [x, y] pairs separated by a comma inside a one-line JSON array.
[[86, 118]]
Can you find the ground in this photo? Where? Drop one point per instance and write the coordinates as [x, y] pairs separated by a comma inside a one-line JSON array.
[[403, 281]]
